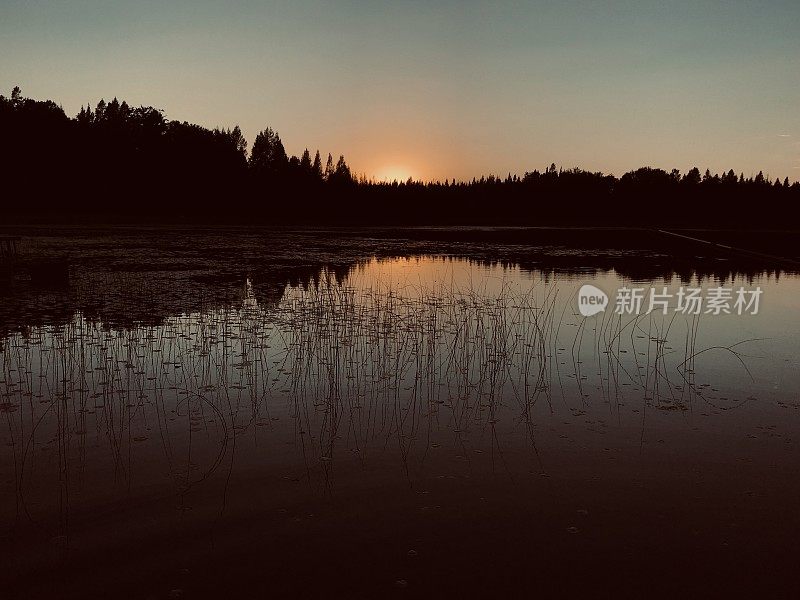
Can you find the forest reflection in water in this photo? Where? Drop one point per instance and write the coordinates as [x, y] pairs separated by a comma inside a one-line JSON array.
[[415, 367]]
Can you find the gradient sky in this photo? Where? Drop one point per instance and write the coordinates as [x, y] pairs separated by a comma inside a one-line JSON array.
[[439, 89]]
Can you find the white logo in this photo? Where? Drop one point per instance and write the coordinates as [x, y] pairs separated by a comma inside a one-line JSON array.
[[591, 300]]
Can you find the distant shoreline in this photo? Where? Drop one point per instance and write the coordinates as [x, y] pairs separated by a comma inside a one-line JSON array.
[[119, 164]]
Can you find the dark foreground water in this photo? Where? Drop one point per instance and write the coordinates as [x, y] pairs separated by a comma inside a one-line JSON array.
[[429, 425]]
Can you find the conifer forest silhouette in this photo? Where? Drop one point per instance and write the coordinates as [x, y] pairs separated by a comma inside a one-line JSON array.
[[115, 161], [226, 371]]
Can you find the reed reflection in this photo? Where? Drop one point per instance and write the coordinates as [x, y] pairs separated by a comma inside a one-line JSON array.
[[399, 360]]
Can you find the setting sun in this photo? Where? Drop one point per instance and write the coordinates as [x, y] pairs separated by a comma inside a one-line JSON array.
[[391, 296], [394, 172]]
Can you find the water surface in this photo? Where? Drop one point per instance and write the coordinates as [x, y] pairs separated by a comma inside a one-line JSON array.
[[403, 425]]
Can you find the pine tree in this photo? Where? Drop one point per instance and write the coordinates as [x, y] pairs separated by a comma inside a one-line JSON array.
[[268, 156], [328, 168], [316, 168], [305, 162]]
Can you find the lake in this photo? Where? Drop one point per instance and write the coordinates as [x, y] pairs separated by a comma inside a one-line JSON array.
[[375, 414]]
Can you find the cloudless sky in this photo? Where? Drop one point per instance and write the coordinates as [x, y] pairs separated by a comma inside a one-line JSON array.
[[439, 89]]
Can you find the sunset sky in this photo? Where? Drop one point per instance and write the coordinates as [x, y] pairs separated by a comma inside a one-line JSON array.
[[439, 89]]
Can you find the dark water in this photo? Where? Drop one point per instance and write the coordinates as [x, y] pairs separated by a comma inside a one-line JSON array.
[[423, 425]]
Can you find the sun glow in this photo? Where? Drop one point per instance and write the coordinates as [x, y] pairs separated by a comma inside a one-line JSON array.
[[394, 173]]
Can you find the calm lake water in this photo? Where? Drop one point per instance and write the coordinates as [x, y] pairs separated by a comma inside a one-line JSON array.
[[404, 426]]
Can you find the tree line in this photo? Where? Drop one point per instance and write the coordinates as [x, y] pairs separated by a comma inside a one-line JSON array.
[[115, 161]]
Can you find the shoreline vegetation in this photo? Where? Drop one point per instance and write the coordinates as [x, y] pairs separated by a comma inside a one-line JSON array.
[[116, 163], [131, 275]]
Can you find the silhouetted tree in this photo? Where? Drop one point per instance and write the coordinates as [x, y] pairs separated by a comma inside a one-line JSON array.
[[341, 174], [692, 176], [238, 141], [268, 156], [305, 162], [133, 161], [316, 168]]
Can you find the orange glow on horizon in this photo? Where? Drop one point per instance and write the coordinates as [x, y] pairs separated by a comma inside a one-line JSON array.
[[394, 172]]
